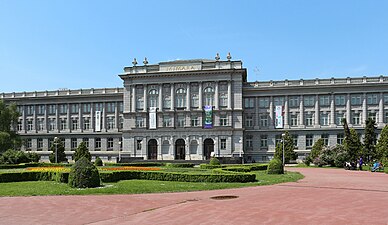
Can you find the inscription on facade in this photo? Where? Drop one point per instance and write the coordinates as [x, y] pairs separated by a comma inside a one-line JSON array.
[[173, 68]]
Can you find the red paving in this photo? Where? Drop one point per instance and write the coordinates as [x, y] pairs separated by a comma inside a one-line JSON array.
[[324, 196]]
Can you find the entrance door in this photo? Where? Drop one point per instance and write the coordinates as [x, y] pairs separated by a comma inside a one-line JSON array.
[[180, 151], [208, 148], [152, 152]]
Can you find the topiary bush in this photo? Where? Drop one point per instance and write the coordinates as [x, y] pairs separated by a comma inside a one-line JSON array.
[[98, 161], [84, 174], [82, 151], [275, 166], [214, 161], [180, 165]]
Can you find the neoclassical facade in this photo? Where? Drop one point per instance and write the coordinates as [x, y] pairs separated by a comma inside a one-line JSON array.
[[194, 109]]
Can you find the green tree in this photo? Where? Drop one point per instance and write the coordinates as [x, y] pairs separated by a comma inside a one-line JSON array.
[[58, 146], [316, 150], [369, 150], [8, 119], [82, 151], [382, 144], [289, 153], [353, 145]]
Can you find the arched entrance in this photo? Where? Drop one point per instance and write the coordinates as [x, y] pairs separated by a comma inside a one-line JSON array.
[[152, 151], [208, 148], [180, 152]]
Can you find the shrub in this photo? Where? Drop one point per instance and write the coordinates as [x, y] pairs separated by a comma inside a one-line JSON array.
[[84, 174], [255, 167], [208, 166], [275, 166], [82, 151], [214, 161], [34, 176], [59, 150], [98, 161], [15, 157], [180, 165], [136, 164]]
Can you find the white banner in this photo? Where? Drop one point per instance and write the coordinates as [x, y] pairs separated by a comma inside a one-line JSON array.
[[279, 116], [98, 121], [152, 116]]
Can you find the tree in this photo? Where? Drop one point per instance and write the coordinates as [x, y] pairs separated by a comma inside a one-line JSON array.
[[382, 144], [82, 151], [8, 119], [316, 150], [289, 153], [369, 150], [353, 145], [58, 146]]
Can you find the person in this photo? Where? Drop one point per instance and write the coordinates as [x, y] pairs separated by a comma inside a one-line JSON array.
[[376, 166], [360, 163]]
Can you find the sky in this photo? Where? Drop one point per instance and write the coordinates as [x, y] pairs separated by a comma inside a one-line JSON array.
[[55, 44]]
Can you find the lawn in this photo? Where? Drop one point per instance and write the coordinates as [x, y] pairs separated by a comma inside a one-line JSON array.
[[33, 188]]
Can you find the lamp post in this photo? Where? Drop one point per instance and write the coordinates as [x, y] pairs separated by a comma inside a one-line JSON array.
[[241, 149], [120, 151], [284, 162], [56, 148]]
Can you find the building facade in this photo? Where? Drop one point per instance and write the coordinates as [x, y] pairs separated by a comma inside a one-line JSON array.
[[195, 109]]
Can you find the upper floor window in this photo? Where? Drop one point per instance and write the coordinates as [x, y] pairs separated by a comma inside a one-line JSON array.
[[30, 109], [41, 109], [249, 121], [208, 96], [309, 100], [110, 107], [86, 107], [98, 106], [264, 102], [355, 100], [340, 100], [180, 100], [153, 98], [167, 102], [223, 100], [74, 108], [223, 120], [372, 99], [181, 121], [278, 101], [194, 101], [249, 103], [139, 122], [139, 102], [324, 100], [63, 108], [52, 109], [293, 101]]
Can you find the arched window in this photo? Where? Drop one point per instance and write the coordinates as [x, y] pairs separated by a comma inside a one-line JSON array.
[[208, 96], [153, 98], [180, 100]]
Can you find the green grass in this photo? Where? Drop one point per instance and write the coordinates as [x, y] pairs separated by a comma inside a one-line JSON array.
[[34, 188]]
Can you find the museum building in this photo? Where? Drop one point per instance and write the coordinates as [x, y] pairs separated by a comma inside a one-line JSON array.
[[195, 109]]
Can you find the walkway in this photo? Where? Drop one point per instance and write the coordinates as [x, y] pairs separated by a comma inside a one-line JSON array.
[[325, 196]]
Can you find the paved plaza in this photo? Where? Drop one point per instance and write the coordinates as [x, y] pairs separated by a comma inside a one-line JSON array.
[[324, 196]]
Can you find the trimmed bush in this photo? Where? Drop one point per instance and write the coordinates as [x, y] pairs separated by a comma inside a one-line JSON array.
[[207, 166], [214, 161], [136, 164], [82, 151], [243, 169], [98, 161], [256, 167], [84, 174], [34, 176], [275, 166], [180, 165]]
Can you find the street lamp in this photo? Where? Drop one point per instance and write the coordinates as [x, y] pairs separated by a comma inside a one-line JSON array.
[[56, 148], [241, 149], [120, 151], [284, 162]]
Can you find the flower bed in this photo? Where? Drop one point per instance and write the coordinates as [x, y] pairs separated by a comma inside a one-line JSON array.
[[137, 168], [50, 169]]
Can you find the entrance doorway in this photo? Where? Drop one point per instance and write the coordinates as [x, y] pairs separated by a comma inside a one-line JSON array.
[[208, 148], [152, 152], [180, 151]]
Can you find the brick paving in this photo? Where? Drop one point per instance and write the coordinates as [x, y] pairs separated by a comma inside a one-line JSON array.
[[324, 196]]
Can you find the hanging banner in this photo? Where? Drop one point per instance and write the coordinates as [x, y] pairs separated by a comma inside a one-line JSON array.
[[98, 121], [208, 116], [152, 116], [279, 116]]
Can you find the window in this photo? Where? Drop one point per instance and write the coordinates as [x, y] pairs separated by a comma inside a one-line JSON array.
[[293, 120], [39, 144], [339, 100], [121, 121], [340, 138], [30, 124], [293, 101], [249, 103], [338, 118], [249, 121], [278, 101], [194, 101], [208, 96], [223, 120], [111, 107], [385, 99], [40, 124], [278, 139], [97, 144], [153, 98], [263, 141], [324, 119], [386, 117], [167, 121], [110, 143], [73, 144], [52, 109], [194, 121], [355, 100], [20, 125], [139, 102], [41, 109], [52, 124], [74, 123], [28, 143], [372, 115], [167, 102], [309, 119], [264, 120], [295, 139], [309, 140], [86, 123], [29, 110], [356, 118], [139, 122], [309, 100], [264, 102], [86, 141], [248, 141], [98, 106], [181, 121], [372, 99], [86, 108], [138, 145], [223, 144], [325, 138], [74, 108], [62, 108], [110, 122], [121, 107], [63, 124], [180, 98], [324, 100], [223, 100]]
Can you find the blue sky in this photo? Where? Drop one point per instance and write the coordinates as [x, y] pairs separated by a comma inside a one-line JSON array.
[[46, 45]]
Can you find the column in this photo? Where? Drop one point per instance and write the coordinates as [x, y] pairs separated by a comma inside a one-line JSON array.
[[316, 109], [301, 112], [160, 96], [256, 120], [286, 112], [271, 118], [200, 147], [46, 122], [332, 111], [188, 97], [348, 111], [92, 118], [57, 117], [117, 121], [103, 119], [364, 110], [24, 119], [69, 122], [381, 111], [172, 97], [200, 95], [133, 99], [229, 94], [160, 149], [145, 97], [216, 96], [35, 119], [80, 127]]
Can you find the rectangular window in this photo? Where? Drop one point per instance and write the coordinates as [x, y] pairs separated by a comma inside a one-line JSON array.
[[138, 145], [295, 139], [62, 108], [121, 120], [386, 117], [263, 141], [356, 118], [223, 100], [20, 124], [324, 119], [293, 101], [110, 107], [167, 121], [309, 101], [248, 141], [264, 102], [121, 107], [63, 124], [97, 144], [40, 124], [309, 140], [40, 144], [139, 122], [386, 99], [29, 110], [355, 100], [194, 121], [52, 109], [86, 123], [249, 103], [278, 139], [249, 121], [28, 143], [223, 144], [73, 144], [340, 100], [223, 120], [194, 101], [110, 143], [338, 118], [110, 122], [30, 124], [372, 99], [86, 141], [309, 119], [52, 124], [98, 106], [340, 138], [86, 107], [167, 102], [372, 115], [41, 109], [293, 120], [181, 121], [74, 123], [278, 101], [264, 120], [325, 138], [324, 100], [74, 108]]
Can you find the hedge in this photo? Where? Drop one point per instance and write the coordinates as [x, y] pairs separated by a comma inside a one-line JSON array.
[[207, 166], [136, 164], [26, 165], [34, 176], [180, 165]]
